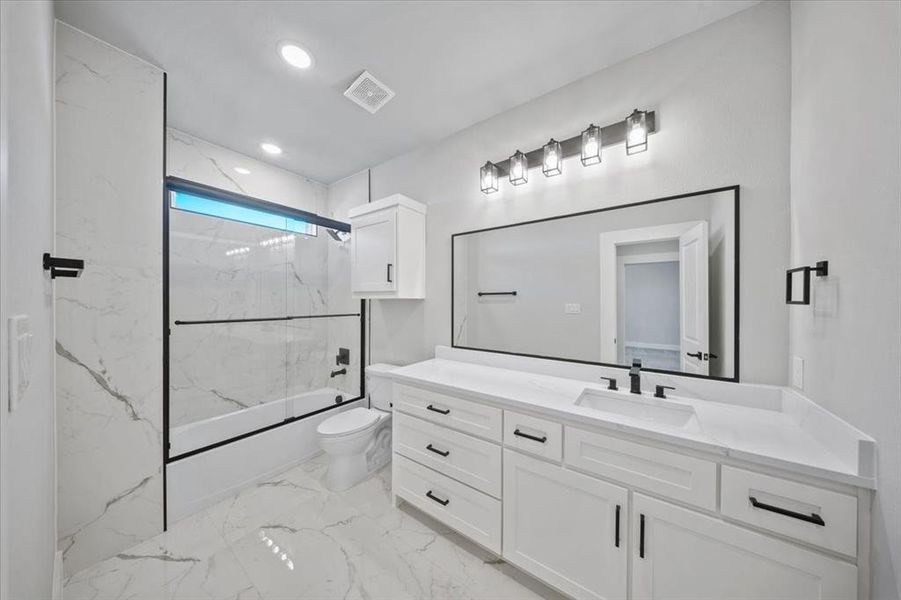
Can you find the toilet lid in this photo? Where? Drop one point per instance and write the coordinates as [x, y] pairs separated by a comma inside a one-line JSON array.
[[347, 422]]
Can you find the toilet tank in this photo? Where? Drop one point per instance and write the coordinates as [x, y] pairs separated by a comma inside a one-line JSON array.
[[378, 386]]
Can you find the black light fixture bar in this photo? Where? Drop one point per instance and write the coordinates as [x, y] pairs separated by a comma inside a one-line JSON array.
[[614, 133]]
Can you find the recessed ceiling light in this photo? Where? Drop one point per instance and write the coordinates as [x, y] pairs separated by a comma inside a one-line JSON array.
[[270, 148], [295, 56], [242, 170]]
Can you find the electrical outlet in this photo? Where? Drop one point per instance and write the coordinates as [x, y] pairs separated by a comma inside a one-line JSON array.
[[572, 309], [797, 372]]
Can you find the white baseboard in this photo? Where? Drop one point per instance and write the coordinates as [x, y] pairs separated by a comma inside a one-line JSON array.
[[57, 588]]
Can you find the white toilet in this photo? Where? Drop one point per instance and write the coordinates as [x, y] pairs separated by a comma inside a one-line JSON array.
[[358, 441]]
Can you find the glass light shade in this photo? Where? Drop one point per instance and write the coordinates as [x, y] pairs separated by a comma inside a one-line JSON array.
[[488, 178], [636, 132], [553, 159], [519, 168], [591, 145]]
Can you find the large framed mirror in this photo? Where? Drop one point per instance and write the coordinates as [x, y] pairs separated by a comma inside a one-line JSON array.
[[655, 280]]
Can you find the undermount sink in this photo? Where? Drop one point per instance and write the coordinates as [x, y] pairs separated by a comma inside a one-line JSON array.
[[641, 408]]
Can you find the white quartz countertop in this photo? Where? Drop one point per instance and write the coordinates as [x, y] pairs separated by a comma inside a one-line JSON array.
[[799, 437]]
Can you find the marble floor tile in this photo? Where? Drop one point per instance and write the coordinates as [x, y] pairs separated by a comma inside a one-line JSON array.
[[291, 538]]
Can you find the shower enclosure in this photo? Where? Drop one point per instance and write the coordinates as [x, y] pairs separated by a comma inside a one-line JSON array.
[[262, 327]]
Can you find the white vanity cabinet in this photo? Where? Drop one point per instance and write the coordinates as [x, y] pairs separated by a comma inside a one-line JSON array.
[[678, 553], [565, 528], [387, 248], [608, 515]]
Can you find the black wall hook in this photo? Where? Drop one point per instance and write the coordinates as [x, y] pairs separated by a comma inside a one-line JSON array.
[[62, 267]]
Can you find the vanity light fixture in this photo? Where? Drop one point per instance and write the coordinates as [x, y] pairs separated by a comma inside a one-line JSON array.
[[553, 159], [519, 168], [242, 171], [588, 145], [269, 148], [591, 145], [488, 178], [294, 55], [636, 132]]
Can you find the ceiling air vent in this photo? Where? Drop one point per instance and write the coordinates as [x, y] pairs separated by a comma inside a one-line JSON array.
[[369, 92]]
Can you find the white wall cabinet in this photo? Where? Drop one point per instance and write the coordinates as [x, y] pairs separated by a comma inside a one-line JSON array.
[[565, 528], [678, 553], [388, 248]]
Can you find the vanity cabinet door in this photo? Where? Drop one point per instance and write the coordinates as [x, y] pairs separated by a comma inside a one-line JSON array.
[[678, 553], [565, 528], [373, 246]]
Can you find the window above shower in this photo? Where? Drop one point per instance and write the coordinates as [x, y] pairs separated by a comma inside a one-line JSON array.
[[211, 207]]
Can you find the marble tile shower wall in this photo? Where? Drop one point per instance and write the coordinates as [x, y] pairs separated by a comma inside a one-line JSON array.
[[226, 270], [109, 151]]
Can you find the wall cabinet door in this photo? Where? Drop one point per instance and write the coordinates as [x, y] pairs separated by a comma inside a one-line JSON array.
[[565, 528], [374, 248], [678, 553]]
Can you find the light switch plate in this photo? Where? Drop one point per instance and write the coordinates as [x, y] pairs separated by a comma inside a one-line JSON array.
[[797, 372], [572, 309]]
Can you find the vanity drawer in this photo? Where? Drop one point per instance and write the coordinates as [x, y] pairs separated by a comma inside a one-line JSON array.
[[472, 513], [469, 417], [533, 435], [685, 478], [473, 461], [820, 517]]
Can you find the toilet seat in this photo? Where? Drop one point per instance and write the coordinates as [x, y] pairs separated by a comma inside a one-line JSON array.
[[349, 422]]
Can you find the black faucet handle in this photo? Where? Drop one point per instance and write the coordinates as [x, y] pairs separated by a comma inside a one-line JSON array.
[[659, 393], [636, 362], [611, 383]]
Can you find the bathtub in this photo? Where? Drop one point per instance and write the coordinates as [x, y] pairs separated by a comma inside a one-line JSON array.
[[196, 481], [200, 434]]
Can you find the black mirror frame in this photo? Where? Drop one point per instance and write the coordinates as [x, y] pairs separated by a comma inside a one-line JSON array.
[[735, 189]]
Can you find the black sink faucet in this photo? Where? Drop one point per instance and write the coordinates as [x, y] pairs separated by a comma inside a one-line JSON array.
[[635, 376]]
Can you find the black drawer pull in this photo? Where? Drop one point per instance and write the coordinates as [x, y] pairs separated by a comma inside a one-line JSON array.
[[616, 534], [534, 438], [811, 518], [437, 451], [641, 536], [445, 411], [388, 275], [436, 498]]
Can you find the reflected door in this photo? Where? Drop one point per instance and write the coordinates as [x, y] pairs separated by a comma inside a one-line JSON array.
[[693, 290]]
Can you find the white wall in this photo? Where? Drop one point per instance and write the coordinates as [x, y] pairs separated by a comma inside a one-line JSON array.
[[846, 207], [28, 471], [109, 328], [722, 96]]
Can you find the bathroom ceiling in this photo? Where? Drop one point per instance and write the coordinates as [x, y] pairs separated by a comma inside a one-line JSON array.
[[451, 64]]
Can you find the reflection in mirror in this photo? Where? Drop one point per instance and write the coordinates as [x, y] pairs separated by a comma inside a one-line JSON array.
[[655, 281]]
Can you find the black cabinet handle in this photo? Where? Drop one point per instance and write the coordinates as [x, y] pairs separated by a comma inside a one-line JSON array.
[[534, 438], [446, 411], [697, 355], [811, 518], [429, 494], [389, 272], [437, 451], [616, 529], [641, 536]]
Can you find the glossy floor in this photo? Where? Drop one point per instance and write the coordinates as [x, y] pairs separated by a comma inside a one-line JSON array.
[[289, 537]]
